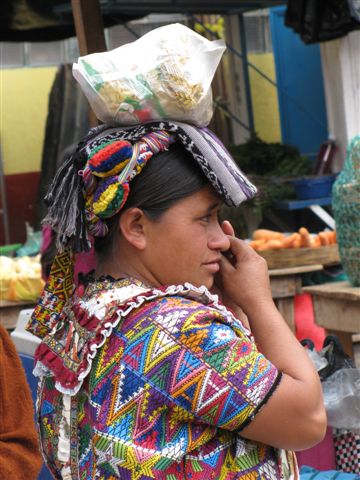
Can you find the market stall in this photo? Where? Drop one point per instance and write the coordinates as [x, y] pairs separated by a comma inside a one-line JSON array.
[[290, 255]]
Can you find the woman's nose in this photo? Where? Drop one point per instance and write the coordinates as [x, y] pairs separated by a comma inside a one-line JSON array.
[[218, 240]]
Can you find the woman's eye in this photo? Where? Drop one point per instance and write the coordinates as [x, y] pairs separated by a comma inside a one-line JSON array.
[[206, 218]]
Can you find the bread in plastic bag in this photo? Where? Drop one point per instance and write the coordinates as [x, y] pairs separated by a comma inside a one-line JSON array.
[[166, 74]]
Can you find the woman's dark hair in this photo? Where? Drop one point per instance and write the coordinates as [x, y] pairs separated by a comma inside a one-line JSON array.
[[167, 178]]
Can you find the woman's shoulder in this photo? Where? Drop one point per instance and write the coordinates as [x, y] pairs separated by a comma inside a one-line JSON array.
[[183, 304], [184, 307], [127, 294], [166, 309], [180, 299], [131, 306], [184, 298], [92, 316]]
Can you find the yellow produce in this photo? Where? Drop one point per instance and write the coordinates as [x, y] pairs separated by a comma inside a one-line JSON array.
[[20, 278]]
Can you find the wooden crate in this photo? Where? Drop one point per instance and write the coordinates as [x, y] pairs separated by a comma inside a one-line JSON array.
[[294, 257], [337, 309]]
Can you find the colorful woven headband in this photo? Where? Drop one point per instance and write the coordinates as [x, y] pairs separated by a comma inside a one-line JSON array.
[[110, 168], [101, 187]]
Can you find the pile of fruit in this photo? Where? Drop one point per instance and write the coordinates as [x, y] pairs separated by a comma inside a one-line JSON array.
[[263, 239], [20, 278]]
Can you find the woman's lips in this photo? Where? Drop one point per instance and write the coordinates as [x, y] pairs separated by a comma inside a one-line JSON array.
[[212, 266]]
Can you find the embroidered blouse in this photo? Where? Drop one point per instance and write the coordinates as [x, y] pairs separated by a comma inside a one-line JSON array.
[[140, 384]]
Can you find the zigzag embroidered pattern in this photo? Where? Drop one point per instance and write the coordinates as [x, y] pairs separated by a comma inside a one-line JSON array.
[[165, 396], [57, 292]]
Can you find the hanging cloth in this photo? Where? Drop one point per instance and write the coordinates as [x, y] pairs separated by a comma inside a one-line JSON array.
[[319, 21]]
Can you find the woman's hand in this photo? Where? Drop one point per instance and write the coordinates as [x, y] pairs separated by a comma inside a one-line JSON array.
[[243, 278], [294, 417]]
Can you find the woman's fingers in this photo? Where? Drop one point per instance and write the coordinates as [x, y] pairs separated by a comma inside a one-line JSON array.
[[239, 248], [227, 228]]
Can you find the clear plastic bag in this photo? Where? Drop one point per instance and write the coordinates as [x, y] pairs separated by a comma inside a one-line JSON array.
[[318, 360], [340, 381], [32, 244], [166, 74], [342, 399]]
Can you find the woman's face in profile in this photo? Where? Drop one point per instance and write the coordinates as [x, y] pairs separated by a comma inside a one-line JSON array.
[[185, 244]]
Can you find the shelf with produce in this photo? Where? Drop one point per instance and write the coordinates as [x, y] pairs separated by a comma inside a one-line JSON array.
[[300, 248]]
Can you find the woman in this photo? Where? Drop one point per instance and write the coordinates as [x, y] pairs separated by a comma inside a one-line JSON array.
[[144, 373]]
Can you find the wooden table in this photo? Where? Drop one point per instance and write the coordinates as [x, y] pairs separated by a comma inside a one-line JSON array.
[[337, 309], [285, 284], [9, 312]]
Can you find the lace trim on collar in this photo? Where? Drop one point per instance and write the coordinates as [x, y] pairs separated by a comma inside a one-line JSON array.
[[51, 361]]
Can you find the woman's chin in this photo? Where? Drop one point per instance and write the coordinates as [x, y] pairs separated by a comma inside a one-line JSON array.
[[197, 281], [204, 282]]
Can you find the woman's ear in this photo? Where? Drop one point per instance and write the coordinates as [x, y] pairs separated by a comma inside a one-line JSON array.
[[131, 226]]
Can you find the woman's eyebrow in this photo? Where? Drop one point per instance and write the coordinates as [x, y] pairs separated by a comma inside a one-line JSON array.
[[213, 206]]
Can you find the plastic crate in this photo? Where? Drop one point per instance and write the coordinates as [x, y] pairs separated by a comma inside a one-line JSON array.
[[313, 187]]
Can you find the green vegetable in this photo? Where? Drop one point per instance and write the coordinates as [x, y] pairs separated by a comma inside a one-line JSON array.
[[269, 166], [257, 157]]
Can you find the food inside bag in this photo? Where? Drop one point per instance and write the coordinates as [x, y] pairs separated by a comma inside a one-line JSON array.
[[166, 74]]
